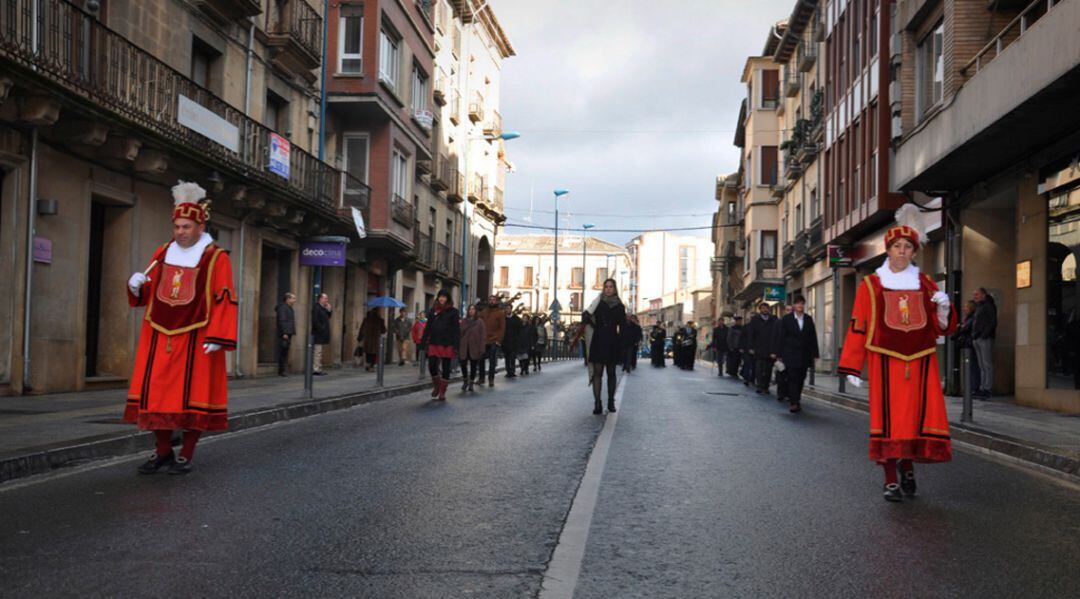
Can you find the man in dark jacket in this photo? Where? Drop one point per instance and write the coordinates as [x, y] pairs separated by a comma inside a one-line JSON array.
[[286, 329], [796, 338], [734, 345], [629, 339], [510, 340], [320, 331], [983, 332], [760, 336], [718, 345]]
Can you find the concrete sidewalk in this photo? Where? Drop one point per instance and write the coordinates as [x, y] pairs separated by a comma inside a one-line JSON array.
[[45, 432]]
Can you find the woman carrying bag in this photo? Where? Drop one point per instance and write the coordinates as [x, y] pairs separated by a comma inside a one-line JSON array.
[[603, 321], [473, 338], [442, 336]]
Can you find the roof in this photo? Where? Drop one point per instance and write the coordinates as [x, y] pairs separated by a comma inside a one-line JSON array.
[[546, 244], [797, 22]]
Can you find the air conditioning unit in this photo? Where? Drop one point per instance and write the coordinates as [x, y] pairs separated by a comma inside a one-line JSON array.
[[897, 127]]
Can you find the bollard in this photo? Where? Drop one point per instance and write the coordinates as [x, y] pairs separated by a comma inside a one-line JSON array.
[[965, 378]]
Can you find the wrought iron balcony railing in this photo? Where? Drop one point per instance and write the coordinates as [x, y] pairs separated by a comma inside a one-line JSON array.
[[424, 249], [442, 259], [459, 267], [300, 24], [87, 63], [764, 265], [401, 210]]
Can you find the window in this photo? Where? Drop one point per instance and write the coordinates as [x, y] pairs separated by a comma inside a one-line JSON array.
[[768, 245], [276, 115], [929, 71], [527, 278], [504, 276], [746, 255], [389, 58], [577, 277], [449, 233], [351, 40], [798, 218], [815, 206], [399, 174], [419, 90], [356, 156], [770, 88], [575, 301], [769, 165], [871, 37], [686, 267], [601, 276], [203, 60]]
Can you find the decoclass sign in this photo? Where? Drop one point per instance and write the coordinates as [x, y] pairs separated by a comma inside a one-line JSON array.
[[319, 253]]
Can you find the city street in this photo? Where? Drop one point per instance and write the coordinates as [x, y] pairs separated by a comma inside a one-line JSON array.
[[708, 490]]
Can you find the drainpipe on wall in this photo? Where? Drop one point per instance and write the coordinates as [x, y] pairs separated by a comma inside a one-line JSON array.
[[248, 69], [31, 224]]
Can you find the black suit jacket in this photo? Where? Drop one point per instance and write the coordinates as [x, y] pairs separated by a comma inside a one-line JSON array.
[[798, 348]]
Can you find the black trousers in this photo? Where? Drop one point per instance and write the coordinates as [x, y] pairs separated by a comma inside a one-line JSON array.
[[283, 354], [470, 368], [795, 379], [629, 358], [490, 361], [720, 362], [439, 366], [733, 360], [763, 373], [510, 358], [782, 384], [748, 367]]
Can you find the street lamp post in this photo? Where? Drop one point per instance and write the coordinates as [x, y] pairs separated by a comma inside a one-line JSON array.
[[555, 280], [584, 244]]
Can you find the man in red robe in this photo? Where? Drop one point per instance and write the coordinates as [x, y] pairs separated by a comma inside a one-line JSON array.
[[179, 380], [899, 313]]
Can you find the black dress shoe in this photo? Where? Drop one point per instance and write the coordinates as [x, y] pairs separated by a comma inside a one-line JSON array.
[[907, 483], [156, 463], [892, 493], [611, 407], [180, 466], [795, 408]]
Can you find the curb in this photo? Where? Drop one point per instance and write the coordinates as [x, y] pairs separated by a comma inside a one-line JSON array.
[[117, 445], [1018, 451]]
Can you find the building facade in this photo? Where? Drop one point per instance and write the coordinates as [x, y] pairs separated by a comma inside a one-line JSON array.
[[525, 265], [728, 244], [666, 272]]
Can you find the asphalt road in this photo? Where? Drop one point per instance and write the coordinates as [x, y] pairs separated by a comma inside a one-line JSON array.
[[702, 495]]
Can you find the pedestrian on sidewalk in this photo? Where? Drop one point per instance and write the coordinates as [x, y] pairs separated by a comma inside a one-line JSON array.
[[442, 338], [371, 331], [747, 355], [320, 331], [401, 331], [540, 324], [526, 343], [735, 347], [286, 330], [179, 380], [899, 313], [690, 346], [778, 366], [471, 351], [656, 345], [797, 342], [510, 340], [494, 318], [760, 336], [963, 338], [983, 332], [719, 345], [603, 322], [630, 339]]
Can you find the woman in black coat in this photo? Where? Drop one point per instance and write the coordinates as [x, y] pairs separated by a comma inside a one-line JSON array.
[[442, 336], [656, 345], [604, 320]]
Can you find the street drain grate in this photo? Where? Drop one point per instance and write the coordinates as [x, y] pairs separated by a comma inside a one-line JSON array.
[[721, 393]]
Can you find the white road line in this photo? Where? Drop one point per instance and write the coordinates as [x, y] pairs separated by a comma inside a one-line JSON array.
[[561, 577]]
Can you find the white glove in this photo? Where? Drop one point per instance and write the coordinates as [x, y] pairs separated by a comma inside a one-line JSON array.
[[941, 299], [854, 380], [209, 348], [136, 282]]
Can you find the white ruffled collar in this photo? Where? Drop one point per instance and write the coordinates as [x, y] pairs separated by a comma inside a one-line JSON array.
[[188, 257], [906, 280]]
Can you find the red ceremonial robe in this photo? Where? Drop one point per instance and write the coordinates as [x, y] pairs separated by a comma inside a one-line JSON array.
[[176, 384], [895, 334]]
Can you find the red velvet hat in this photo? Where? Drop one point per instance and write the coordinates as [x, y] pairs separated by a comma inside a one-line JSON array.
[[907, 227], [189, 201]]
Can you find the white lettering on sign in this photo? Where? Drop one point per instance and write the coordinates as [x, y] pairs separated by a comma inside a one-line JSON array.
[[200, 120]]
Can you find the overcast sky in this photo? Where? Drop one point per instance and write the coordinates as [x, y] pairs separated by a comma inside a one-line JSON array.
[[630, 104]]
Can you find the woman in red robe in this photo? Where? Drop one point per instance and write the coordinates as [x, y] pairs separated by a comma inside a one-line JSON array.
[[899, 313], [179, 380]]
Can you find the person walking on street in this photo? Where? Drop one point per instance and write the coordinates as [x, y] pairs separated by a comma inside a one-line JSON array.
[[286, 330], [656, 345], [511, 335], [541, 342], [526, 343], [690, 346], [898, 315], [677, 348], [797, 340], [371, 331], [734, 347], [982, 338], [494, 318], [320, 331], [719, 346], [629, 339], [471, 351], [400, 330], [779, 367], [603, 322], [442, 337], [963, 338], [760, 336], [417, 334], [748, 362]]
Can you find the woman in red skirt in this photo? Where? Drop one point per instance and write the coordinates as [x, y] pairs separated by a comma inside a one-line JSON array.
[[899, 313], [442, 335]]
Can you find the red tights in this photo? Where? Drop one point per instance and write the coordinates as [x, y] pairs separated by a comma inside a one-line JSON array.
[[890, 469], [164, 442]]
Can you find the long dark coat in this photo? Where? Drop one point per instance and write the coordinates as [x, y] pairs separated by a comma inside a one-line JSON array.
[[286, 320], [798, 348], [656, 346], [760, 336], [370, 329], [606, 322], [511, 333], [443, 328], [320, 325], [473, 337]]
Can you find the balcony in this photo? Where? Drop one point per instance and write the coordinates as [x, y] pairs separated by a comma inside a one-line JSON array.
[[493, 126], [806, 57], [354, 194], [141, 96], [424, 167], [792, 83], [442, 259], [440, 178], [478, 189], [456, 192], [230, 10], [442, 84], [294, 36], [789, 258], [815, 243], [425, 255], [792, 168], [766, 268], [401, 210], [476, 107], [455, 107], [498, 204], [458, 267]]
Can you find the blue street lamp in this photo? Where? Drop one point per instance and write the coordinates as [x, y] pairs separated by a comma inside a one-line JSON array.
[[555, 280]]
